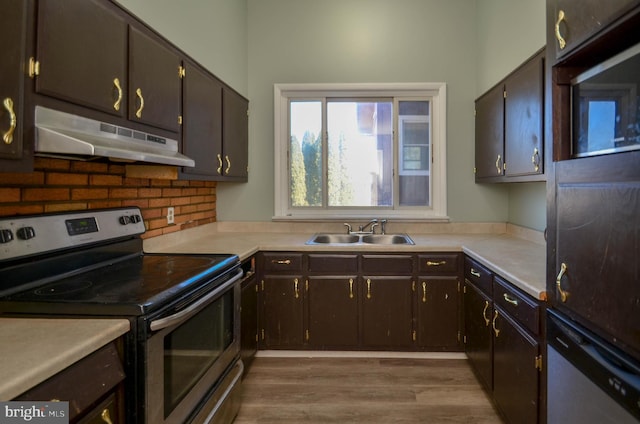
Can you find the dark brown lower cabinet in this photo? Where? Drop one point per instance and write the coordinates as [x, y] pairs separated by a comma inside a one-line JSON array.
[[478, 310], [438, 313], [249, 314], [515, 372], [387, 312], [333, 312], [283, 311]]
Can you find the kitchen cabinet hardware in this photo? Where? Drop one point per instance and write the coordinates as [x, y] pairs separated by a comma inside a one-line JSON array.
[[182, 72], [538, 363], [219, 169], [34, 68], [436, 263], [106, 417], [424, 292], [509, 299], [139, 95], [496, 331], [564, 295], [484, 313], [295, 288], [226, 158], [281, 261], [368, 288], [535, 159], [8, 135], [350, 288], [498, 167], [562, 43], [475, 273], [116, 105]]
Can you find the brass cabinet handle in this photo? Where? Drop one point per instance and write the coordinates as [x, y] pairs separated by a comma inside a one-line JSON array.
[[116, 83], [535, 159], [281, 261], [484, 313], [13, 121], [475, 273], [510, 299], [561, 41], [493, 324], [219, 170], [226, 157], [139, 111], [436, 263], [295, 288], [564, 295], [424, 292], [498, 164], [368, 288], [106, 417], [350, 288]]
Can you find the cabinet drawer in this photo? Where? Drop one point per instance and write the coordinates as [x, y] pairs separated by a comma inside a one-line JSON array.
[[438, 263], [332, 264], [282, 262], [520, 306], [480, 276], [387, 264]]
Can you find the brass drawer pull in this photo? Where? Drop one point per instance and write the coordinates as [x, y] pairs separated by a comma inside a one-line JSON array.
[[487, 321], [535, 159], [561, 41], [106, 417], [436, 263], [226, 157], [368, 288], [281, 261], [564, 295], [509, 299], [295, 288], [493, 324], [350, 288], [116, 83], [475, 273], [424, 292], [13, 121], [139, 111], [498, 168]]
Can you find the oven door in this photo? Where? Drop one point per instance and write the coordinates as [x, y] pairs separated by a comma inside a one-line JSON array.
[[188, 352]]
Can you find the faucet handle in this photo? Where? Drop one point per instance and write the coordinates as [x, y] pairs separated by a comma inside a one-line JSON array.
[[348, 228], [382, 225]]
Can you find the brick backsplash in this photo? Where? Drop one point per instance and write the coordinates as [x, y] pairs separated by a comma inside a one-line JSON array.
[[58, 185]]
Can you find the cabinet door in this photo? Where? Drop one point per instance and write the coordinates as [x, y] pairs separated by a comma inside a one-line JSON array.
[[478, 311], [439, 313], [202, 123], [387, 313], [155, 92], [283, 311], [235, 134], [333, 312], [524, 118], [577, 20], [249, 320], [82, 51], [490, 134], [516, 379], [13, 32]]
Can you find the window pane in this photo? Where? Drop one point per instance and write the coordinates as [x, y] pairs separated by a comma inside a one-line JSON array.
[[305, 153], [414, 122], [360, 153]]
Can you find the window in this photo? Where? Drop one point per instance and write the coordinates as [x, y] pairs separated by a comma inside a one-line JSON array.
[[345, 150]]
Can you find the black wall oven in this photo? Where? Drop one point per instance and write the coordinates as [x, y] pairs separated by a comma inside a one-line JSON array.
[[182, 353]]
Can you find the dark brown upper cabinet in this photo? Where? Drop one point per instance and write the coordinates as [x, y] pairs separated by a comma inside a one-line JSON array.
[[14, 23], [510, 126], [574, 22], [155, 88], [82, 54], [202, 123], [235, 136]]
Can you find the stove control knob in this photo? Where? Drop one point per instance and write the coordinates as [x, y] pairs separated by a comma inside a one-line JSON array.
[[26, 233], [6, 236], [135, 218], [124, 220]]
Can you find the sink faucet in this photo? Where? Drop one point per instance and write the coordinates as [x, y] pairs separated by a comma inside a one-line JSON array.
[[371, 223], [382, 222]]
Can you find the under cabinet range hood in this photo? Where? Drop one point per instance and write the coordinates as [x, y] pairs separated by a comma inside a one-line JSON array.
[[64, 135]]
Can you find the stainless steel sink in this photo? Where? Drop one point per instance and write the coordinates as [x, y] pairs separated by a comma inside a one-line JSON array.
[[323, 238], [387, 239]]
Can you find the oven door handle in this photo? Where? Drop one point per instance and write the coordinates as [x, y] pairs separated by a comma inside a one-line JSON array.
[[194, 308]]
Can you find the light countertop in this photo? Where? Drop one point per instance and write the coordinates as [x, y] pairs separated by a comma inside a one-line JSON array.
[[518, 260], [34, 349]]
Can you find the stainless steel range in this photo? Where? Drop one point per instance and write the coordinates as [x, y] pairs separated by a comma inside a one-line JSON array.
[[182, 353]]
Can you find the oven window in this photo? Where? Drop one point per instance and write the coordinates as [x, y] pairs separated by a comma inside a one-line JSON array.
[[192, 348]]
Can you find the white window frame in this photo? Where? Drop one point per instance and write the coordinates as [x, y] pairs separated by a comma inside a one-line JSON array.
[[437, 94]]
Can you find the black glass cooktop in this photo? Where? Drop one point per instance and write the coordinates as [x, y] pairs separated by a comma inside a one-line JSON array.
[[134, 286]]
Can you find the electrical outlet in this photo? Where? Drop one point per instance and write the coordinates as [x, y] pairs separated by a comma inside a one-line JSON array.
[[170, 215]]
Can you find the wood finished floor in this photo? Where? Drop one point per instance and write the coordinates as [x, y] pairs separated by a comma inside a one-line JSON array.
[[363, 390]]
